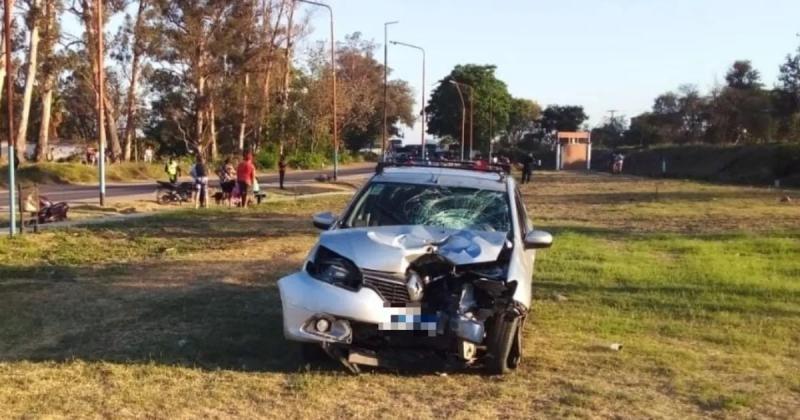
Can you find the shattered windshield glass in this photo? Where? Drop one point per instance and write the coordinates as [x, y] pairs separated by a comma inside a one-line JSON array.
[[388, 204]]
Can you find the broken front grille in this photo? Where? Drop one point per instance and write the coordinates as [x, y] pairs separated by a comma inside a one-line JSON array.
[[390, 286]]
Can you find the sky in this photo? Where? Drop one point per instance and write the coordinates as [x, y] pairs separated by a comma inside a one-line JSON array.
[[601, 54]]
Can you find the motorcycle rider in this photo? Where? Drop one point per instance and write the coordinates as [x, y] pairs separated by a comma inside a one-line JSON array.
[[173, 170]]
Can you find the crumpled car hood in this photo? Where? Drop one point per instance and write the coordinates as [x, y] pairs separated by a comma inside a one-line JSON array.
[[393, 248]]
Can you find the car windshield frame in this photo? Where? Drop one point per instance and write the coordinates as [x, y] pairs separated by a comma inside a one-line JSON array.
[[359, 201]]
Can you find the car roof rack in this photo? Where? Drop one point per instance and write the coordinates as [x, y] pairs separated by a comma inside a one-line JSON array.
[[469, 165]]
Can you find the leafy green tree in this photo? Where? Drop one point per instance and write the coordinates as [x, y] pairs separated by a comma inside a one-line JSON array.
[[491, 102], [787, 97], [611, 133], [563, 118], [742, 75], [741, 111], [522, 118]]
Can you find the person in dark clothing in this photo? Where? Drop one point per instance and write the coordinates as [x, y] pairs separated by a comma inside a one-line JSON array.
[[199, 173], [527, 168], [227, 180], [282, 169], [16, 160]]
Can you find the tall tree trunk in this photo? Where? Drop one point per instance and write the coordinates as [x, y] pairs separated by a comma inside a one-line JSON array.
[[44, 130], [3, 59], [212, 128], [287, 72], [43, 144], [111, 126], [30, 79], [243, 122], [200, 111], [130, 124]]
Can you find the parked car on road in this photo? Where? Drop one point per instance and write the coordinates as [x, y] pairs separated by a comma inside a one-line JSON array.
[[427, 260]]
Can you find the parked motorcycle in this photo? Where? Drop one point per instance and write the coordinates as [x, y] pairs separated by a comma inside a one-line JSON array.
[[48, 211], [167, 192]]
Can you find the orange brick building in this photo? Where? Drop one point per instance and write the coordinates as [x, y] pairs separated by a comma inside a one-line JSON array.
[[574, 150]]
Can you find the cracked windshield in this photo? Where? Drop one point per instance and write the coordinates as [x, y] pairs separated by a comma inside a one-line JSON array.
[[445, 207]]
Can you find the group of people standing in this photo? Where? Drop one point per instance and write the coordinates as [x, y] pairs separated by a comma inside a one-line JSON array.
[[237, 181]]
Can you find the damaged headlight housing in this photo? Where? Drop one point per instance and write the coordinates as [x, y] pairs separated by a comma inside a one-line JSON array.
[[335, 269]]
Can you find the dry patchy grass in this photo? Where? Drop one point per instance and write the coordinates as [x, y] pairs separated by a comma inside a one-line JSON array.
[[178, 315]]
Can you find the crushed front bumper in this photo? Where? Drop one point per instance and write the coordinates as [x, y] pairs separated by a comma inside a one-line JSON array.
[[305, 299]]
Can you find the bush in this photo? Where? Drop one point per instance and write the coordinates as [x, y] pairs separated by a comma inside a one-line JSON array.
[[350, 157], [307, 160], [370, 157], [267, 159]]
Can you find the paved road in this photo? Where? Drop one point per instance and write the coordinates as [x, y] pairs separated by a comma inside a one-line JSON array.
[[73, 193]]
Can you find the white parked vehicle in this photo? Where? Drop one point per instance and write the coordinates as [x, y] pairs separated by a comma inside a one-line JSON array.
[[428, 259]]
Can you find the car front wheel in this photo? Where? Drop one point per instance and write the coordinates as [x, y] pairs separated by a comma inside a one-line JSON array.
[[503, 344]]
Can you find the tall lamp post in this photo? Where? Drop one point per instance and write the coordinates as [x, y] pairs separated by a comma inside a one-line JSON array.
[[385, 85], [422, 113], [12, 216], [471, 114], [101, 127], [333, 86], [463, 114]]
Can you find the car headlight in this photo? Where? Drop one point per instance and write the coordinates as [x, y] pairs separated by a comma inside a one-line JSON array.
[[333, 268]]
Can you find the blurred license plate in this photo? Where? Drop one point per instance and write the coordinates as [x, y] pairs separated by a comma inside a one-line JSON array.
[[409, 319]]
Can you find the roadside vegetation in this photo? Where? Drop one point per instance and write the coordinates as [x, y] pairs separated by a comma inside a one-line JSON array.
[[178, 314], [78, 173]]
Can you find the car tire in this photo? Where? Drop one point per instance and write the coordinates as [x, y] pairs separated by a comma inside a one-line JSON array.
[[502, 356]]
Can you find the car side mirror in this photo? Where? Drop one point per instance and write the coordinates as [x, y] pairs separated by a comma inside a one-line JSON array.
[[538, 239], [324, 221]]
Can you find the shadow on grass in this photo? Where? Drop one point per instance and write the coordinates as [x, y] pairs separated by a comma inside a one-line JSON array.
[[220, 312], [152, 314]]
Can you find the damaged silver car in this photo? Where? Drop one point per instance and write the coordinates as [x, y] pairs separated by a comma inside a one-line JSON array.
[[426, 261]]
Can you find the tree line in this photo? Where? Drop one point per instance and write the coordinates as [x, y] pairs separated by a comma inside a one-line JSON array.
[[192, 76], [513, 125], [742, 110]]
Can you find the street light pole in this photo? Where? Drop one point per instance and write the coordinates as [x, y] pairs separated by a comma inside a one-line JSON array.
[[385, 85], [333, 86], [101, 127], [12, 213], [471, 116], [422, 113], [491, 128], [463, 114], [471, 113]]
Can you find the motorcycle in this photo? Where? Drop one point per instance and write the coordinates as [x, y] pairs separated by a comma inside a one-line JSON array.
[[168, 192], [46, 212]]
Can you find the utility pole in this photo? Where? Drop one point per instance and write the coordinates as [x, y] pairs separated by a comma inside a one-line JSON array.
[[333, 86], [385, 85], [101, 126], [471, 116], [422, 102], [12, 212]]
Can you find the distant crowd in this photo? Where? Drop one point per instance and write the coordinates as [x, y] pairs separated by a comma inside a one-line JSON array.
[[237, 180]]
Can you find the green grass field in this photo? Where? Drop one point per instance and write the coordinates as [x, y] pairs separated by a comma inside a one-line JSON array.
[[178, 315]]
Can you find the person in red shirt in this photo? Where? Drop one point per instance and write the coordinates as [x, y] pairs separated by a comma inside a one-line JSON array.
[[245, 177]]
